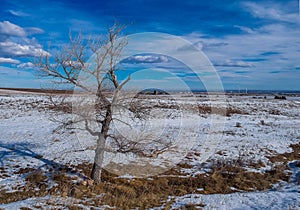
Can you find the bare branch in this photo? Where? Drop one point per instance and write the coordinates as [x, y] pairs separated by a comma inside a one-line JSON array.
[[90, 130]]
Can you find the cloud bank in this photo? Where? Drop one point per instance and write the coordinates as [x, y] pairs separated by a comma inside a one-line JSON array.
[[17, 42]]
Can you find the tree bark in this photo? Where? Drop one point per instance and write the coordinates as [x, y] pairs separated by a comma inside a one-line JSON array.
[[98, 160], [100, 149]]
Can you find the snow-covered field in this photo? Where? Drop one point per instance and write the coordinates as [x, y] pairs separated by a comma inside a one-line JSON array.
[[256, 129]]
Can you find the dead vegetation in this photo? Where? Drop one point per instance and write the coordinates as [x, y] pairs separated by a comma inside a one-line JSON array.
[[223, 177], [288, 156], [226, 111]]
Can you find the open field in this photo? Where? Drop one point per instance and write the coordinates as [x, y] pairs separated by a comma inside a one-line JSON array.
[[253, 164]]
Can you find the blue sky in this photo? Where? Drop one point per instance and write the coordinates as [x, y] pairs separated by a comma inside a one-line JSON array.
[[252, 44]]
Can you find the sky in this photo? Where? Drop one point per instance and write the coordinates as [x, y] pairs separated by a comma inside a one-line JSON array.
[[250, 44]]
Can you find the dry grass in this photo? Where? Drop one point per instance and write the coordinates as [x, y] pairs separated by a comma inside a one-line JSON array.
[[36, 177], [289, 156], [223, 177], [191, 206], [229, 111]]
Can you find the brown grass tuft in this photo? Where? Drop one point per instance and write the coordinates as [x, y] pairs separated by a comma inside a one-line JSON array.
[[288, 156], [229, 111], [36, 177]]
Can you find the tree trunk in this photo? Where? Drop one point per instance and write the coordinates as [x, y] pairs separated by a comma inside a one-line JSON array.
[[98, 160], [99, 152]]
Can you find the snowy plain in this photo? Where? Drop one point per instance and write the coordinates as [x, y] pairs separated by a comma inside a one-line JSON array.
[[267, 127]]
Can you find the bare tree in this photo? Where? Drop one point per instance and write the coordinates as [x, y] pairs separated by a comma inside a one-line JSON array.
[[72, 61], [91, 64]]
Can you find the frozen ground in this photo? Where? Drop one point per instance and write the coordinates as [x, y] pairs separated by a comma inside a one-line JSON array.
[[29, 138]]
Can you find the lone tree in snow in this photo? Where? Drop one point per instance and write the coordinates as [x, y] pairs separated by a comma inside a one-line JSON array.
[[72, 65]]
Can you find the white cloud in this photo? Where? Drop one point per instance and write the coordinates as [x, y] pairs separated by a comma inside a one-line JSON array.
[[273, 46], [33, 30], [146, 59], [10, 29], [9, 60], [231, 63], [280, 39], [20, 50], [26, 65], [272, 11], [15, 41], [245, 29], [18, 13]]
